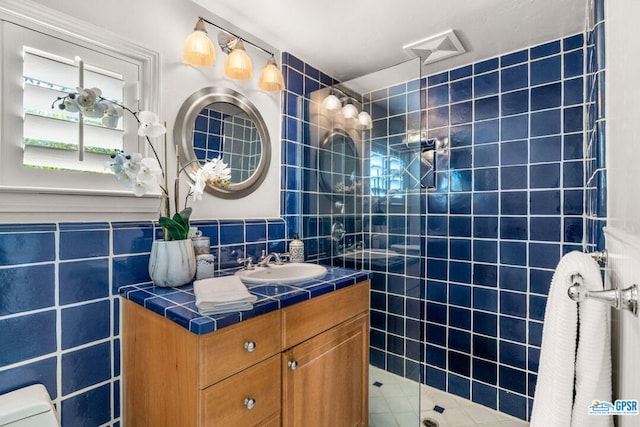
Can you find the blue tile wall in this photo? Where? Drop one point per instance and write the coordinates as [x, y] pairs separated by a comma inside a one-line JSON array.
[[60, 311], [510, 199]]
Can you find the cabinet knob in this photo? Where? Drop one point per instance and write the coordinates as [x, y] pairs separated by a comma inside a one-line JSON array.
[[250, 346], [249, 403], [293, 365]]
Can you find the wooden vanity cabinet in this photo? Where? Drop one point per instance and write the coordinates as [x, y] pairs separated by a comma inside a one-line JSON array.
[[303, 365]]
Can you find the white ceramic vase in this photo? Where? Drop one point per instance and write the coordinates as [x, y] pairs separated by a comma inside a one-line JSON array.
[[172, 263]]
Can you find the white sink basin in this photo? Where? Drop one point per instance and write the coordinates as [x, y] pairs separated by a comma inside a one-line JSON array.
[[285, 273]]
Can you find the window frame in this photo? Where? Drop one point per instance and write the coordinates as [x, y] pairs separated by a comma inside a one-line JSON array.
[[95, 201]]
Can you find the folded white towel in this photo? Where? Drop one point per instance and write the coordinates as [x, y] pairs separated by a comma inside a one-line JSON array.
[[571, 361], [222, 295]]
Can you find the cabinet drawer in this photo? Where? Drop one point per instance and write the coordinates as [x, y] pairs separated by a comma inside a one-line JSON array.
[[307, 319], [223, 404], [232, 349]]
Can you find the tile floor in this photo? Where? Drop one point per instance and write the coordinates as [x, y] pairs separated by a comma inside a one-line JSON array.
[[396, 402]]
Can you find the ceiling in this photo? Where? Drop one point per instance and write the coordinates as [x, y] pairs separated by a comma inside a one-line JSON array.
[[352, 38]]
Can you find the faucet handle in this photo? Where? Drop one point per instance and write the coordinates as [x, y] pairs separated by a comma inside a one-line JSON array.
[[282, 257], [248, 262]]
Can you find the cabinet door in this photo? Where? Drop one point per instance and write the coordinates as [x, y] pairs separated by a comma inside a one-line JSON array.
[[325, 379]]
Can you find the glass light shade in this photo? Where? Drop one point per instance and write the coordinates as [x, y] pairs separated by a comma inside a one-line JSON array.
[[271, 79], [238, 64], [198, 49], [331, 103], [364, 121], [349, 111]]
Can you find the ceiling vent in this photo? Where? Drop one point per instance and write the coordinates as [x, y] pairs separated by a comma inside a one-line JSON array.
[[436, 48]]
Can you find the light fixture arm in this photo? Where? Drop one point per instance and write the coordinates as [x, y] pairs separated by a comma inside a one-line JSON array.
[[234, 35]]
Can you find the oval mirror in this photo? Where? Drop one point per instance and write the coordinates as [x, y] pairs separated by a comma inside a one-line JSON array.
[[338, 164], [220, 122]]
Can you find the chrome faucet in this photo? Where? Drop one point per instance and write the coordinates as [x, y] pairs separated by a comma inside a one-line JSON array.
[[248, 263], [276, 257]]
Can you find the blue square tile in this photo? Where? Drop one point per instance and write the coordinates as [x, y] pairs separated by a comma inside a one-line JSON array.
[[485, 299], [84, 244], [460, 180], [546, 149], [40, 372], [460, 318], [573, 230], [436, 313], [513, 329], [513, 379], [512, 404], [461, 90], [513, 278], [461, 113], [485, 179], [486, 348], [513, 304], [436, 378], [460, 294], [461, 72], [461, 136], [436, 356], [437, 248], [34, 247], [514, 228], [545, 175], [459, 363], [459, 272], [485, 203], [460, 158], [486, 131], [438, 96], [486, 84], [231, 233], [30, 336], [459, 386], [513, 354], [545, 202], [132, 238], [85, 367], [436, 118], [437, 225], [92, 407], [540, 280], [437, 79], [573, 121], [484, 66], [513, 203], [436, 269], [460, 226], [514, 177], [459, 340], [26, 288], [545, 49], [128, 270], [485, 371], [514, 153], [546, 96], [515, 127], [484, 395], [573, 63], [513, 253], [85, 323], [546, 70], [535, 333], [487, 108], [514, 77], [514, 58], [573, 147], [485, 227], [485, 251], [516, 102], [486, 275], [573, 91], [460, 203], [485, 323], [545, 228], [83, 280], [543, 255], [397, 104], [436, 334], [486, 155], [537, 306], [460, 249], [573, 42]]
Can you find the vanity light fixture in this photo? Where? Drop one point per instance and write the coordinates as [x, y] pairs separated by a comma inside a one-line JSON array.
[[333, 104], [237, 65]]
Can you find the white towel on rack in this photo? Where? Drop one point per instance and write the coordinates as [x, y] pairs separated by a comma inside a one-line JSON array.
[[575, 355], [222, 295]]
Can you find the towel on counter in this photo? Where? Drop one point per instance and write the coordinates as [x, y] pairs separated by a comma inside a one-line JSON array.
[[575, 357], [222, 295]]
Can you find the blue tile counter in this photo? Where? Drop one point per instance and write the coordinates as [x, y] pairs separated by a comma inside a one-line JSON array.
[[178, 304]]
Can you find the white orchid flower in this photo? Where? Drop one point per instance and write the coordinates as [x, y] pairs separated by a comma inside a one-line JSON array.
[[112, 115], [150, 124], [87, 97]]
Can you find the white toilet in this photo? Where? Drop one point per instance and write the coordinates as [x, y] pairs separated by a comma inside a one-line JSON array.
[[28, 407]]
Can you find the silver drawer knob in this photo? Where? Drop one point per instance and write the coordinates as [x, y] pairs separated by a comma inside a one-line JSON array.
[[250, 346], [249, 403], [293, 365]]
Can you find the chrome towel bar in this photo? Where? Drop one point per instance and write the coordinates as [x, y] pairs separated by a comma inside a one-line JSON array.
[[621, 299]]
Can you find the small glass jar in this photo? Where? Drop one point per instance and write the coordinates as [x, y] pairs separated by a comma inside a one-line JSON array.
[[201, 245]]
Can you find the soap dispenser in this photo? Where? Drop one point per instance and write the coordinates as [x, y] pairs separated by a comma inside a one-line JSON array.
[[296, 249]]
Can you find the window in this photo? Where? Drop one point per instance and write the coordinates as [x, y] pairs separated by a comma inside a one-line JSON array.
[[39, 144]]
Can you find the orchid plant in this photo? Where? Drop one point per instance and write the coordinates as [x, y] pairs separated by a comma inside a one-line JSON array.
[[146, 174]]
